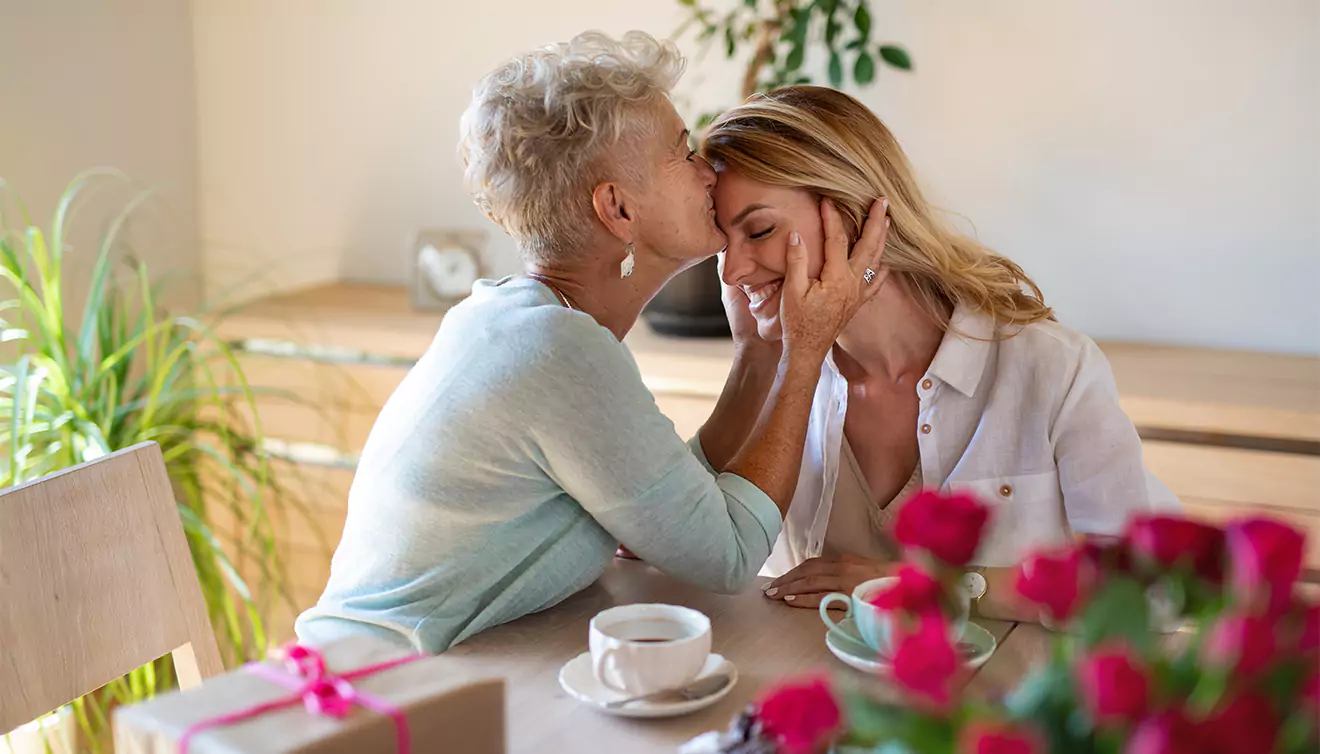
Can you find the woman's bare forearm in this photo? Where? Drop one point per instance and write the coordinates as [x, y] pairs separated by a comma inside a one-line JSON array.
[[755, 369], [772, 455]]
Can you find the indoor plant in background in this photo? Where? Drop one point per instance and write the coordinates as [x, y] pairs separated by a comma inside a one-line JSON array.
[[125, 372], [776, 39], [1244, 678]]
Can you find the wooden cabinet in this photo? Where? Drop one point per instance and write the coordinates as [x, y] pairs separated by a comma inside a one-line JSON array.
[[1229, 432]]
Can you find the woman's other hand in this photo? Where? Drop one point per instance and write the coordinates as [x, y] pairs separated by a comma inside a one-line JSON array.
[[746, 338], [806, 585], [814, 312]]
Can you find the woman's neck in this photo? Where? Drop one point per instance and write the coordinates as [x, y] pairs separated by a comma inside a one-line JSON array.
[[890, 338], [591, 284]]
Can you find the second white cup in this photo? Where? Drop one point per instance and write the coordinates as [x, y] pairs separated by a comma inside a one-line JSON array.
[[641, 649]]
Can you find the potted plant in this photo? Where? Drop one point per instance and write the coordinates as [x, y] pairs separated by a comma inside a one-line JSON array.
[[1245, 678], [775, 36], [125, 372]]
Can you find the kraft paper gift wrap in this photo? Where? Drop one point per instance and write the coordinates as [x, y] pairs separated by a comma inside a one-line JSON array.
[[445, 711]]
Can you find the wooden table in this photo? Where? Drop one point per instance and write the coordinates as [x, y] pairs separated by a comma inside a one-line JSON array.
[[766, 640]]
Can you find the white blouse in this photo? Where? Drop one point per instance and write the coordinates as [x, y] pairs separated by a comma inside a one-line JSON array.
[[1030, 424]]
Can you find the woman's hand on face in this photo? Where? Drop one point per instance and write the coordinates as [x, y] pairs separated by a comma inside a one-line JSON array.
[[814, 312], [806, 585]]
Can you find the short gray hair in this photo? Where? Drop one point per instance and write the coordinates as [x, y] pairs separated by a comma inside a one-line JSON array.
[[537, 135]]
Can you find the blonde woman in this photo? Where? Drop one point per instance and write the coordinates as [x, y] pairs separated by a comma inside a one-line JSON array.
[[524, 448], [955, 375]]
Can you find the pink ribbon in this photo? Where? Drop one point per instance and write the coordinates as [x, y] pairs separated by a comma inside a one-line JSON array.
[[323, 693]]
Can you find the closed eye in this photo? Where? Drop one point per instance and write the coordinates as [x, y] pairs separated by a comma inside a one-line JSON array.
[[761, 234], [691, 154]]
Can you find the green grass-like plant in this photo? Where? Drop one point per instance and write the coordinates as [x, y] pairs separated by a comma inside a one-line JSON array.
[[125, 371]]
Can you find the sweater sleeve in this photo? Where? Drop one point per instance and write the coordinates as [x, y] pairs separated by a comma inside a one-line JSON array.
[[598, 433]]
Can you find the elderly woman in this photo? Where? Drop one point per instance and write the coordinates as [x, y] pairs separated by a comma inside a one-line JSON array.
[[524, 448], [955, 375]]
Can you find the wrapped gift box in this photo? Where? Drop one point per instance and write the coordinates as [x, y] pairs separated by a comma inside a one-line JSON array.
[[445, 710]]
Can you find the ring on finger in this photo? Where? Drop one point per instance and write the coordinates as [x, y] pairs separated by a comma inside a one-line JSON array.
[[868, 276]]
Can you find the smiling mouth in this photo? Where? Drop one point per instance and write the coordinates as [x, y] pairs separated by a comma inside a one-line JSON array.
[[762, 293]]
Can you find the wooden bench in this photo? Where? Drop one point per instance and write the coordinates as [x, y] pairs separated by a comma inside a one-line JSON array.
[[1228, 431]]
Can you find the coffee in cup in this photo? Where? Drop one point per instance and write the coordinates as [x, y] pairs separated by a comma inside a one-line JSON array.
[[640, 649]]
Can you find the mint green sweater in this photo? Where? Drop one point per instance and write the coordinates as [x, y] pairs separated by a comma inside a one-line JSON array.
[[506, 468]]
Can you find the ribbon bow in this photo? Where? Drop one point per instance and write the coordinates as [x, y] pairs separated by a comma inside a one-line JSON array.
[[322, 693]]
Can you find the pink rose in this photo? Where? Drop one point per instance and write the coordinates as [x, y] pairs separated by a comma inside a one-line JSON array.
[[1309, 641], [1168, 732], [1266, 558], [1056, 581], [801, 716], [1114, 686], [1247, 722], [993, 738], [1311, 692], [948, 526], [1242, 644], [925, 661], [1172, 540], [915, 592], [1106, 553]]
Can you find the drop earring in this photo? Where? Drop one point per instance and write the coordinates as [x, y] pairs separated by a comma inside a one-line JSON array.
[[626, 268]]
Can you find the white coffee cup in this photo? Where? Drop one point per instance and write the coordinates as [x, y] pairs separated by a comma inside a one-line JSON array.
[[640, 649]]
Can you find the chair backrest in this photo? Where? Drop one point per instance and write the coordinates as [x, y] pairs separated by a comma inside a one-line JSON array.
[[95, 580]]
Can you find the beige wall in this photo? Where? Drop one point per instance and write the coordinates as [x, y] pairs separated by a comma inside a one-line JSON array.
[[1156, 165], [86, 83]]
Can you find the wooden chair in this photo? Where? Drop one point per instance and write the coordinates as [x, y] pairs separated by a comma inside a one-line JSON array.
[[95, 580]]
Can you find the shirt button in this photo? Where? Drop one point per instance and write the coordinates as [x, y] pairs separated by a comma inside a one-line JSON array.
[[926, 384], [1006, 490], [925, 429]]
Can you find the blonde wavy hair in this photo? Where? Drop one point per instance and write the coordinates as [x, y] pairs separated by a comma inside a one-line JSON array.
[[545, 128], [829, 143]]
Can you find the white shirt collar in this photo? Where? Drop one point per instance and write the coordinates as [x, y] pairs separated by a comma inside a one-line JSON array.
[[960, 360]]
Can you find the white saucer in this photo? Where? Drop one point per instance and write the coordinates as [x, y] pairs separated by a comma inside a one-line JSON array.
[[846, 644], [577, 678]]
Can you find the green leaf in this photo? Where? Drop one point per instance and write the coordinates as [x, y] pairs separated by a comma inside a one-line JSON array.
[[730, 44], [92, 308], [1180, 674], [794, 59], [750, 4], [1047, 700], [1118, 611], [797, 33], [1040, 689], [1209, 689], [896, 57], [1299, 734], [870, 722], [836, 70], [862, 20], [864, 68], [894, 728]]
